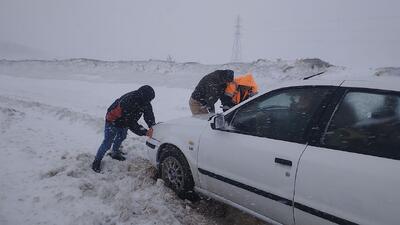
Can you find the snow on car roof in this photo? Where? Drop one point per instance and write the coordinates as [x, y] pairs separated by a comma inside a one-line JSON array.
[[386, 78]]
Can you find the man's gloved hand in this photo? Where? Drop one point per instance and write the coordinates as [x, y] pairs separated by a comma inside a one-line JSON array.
[[149, 132]]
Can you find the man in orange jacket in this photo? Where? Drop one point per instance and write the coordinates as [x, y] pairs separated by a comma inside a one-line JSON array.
[[242, 88]]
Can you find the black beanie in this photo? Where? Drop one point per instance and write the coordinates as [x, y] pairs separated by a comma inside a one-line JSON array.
[[147, 92], [228, 75]]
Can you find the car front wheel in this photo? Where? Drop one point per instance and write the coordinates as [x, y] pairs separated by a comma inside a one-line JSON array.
[[175, 172]]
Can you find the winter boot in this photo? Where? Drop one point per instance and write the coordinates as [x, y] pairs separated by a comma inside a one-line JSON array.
[[121, 150], [117, 155], [96, 166]]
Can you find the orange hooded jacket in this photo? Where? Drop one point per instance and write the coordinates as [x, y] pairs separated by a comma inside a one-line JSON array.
[[246, 80]]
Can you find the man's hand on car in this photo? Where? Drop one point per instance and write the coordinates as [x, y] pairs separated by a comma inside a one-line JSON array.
[[149, 132]]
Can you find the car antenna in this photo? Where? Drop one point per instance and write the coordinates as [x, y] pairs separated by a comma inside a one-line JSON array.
[[317, 74]]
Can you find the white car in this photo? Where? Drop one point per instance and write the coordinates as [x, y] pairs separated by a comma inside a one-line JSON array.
[[313, 152]]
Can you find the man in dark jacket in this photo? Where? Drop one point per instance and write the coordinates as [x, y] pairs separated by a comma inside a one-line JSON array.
[[122, 115], [210, 88]]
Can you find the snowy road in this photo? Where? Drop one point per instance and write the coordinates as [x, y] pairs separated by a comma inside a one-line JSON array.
[[49, 133]]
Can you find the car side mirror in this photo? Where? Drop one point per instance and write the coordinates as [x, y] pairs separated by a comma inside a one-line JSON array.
[[219, 122]]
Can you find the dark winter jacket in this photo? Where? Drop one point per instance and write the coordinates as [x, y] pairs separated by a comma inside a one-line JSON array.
[[127, 110], [211, 87]]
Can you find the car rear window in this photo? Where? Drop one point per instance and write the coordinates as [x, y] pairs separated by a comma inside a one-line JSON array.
[[366, 123]]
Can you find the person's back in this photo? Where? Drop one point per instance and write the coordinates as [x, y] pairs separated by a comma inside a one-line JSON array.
[[126, 110], [209, 89], [123, 114]]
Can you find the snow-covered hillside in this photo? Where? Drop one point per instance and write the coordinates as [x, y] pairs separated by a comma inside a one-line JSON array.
[[51, 124], [160, 73]]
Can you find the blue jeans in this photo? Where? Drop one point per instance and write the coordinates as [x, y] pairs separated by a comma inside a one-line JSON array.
[[112, 136]]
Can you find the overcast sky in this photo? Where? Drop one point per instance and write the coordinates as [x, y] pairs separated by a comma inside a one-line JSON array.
[[343, 32]]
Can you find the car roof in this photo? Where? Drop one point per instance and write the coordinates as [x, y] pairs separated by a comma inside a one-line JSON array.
[[382, 79], [373, 83], [310, 82], [390, 85], [387, 78]]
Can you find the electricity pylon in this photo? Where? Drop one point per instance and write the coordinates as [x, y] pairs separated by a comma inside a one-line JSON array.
[[237, 46]]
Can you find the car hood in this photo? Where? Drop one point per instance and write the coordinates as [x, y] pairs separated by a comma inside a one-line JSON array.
[[197, 120], [186, 128]]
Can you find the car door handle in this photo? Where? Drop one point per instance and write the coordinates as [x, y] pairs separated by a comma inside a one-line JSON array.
[[283, 161]]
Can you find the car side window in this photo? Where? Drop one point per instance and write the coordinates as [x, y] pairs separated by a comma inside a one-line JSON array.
[[366, 123], [283, 115]]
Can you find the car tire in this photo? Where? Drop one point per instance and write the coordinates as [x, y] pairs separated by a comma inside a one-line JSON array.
[[175, 171]]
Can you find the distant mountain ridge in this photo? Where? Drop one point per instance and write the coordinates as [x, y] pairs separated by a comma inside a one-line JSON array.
[[166, 67], [175, 74]]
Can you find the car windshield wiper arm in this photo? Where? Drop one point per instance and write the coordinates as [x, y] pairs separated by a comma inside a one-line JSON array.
[[317, 74]]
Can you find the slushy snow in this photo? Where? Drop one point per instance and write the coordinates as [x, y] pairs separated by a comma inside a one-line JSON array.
[[51, 125]]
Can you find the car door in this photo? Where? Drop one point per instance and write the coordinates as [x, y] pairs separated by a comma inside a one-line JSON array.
[[252, 162], [350, 172]]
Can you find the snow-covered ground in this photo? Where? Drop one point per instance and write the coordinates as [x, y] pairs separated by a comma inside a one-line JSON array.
[[51, 124]]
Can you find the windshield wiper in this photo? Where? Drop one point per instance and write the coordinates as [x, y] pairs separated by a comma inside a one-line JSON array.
[[317, 74]]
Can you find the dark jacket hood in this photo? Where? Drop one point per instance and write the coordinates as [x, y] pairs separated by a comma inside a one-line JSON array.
[[226, 76], [147, 92]]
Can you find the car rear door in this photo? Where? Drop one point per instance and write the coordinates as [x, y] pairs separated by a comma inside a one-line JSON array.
[[349, 174], [252, 162]]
